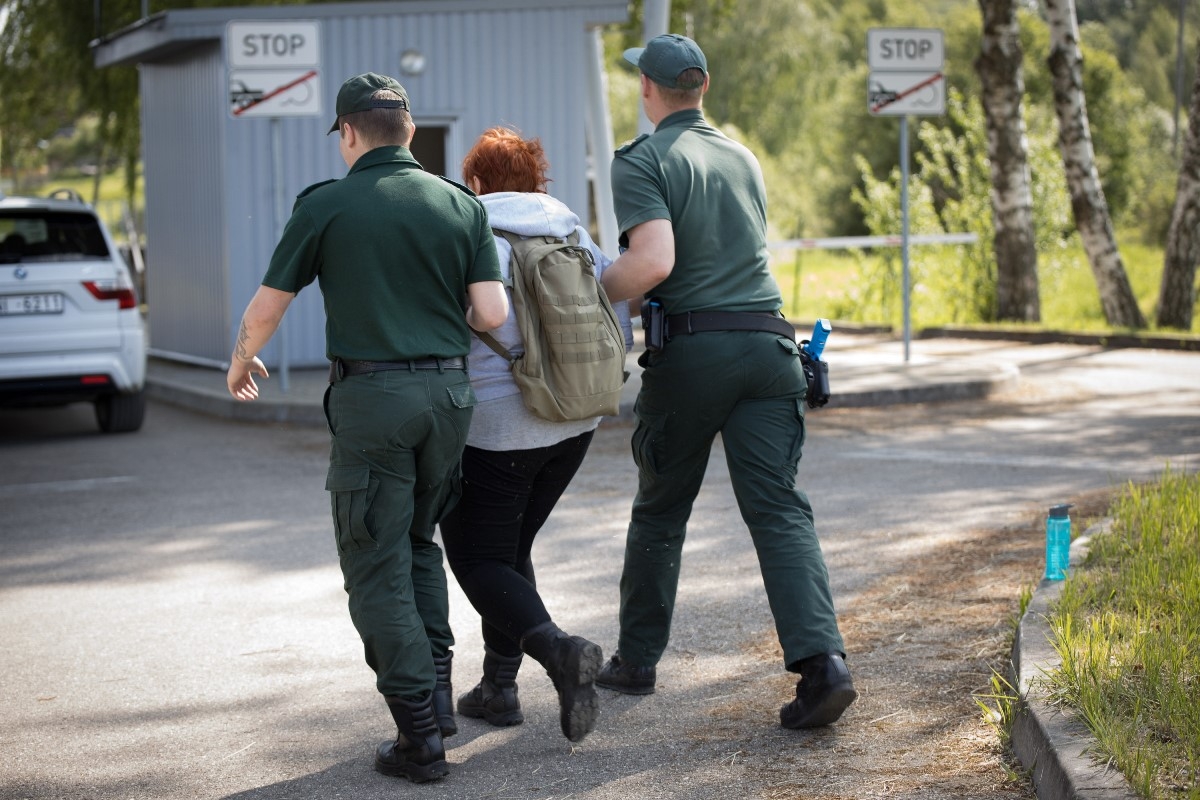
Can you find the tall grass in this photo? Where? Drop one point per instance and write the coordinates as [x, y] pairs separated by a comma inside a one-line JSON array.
[[814, 283], [1127, 627], [866, 286], [1068, 290]]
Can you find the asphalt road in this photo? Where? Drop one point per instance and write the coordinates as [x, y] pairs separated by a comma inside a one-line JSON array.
[[174, 626]]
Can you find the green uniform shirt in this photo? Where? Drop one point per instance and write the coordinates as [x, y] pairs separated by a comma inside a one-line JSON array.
[[711, 189], [393, 249]]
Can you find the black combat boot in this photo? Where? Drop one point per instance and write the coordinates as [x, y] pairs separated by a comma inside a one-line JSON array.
[[822, 694], [494, 698], [572, 663], [443, 696], [621, 676], [418, 753]]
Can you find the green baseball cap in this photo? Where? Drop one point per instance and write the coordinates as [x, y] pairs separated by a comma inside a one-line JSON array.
[[355, 95], [666, 57]]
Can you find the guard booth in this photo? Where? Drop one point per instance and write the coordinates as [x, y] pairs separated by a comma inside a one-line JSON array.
[[236, 103]]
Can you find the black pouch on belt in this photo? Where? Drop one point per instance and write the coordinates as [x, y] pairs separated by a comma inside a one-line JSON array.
[[654, 319], [816, 375]]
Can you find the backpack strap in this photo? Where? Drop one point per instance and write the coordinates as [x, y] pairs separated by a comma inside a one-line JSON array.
[[548, 242], [513, 238], [486, 337], [538, 246], [497, 348]]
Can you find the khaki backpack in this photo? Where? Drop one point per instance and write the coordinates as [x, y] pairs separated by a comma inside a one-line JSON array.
[[573, 367]]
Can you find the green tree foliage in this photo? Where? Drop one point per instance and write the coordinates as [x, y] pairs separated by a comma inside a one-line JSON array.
[[1146, 63], [48, 79], [781, 75], [37, 92], [1130, 132], [47, 82], [949, 193], [792, 78], [1143, 37]]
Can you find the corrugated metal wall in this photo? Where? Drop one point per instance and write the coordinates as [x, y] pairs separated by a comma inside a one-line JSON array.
[[187, 269], [213, 210], [304, 156]]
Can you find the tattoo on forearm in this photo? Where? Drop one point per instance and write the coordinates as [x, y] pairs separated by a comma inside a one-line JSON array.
[[239, 348]]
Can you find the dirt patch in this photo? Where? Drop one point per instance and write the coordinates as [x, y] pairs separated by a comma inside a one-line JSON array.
[[923, 643], [924, 640]]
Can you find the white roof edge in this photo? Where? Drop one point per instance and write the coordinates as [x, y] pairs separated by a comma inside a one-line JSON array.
[[170, 31]]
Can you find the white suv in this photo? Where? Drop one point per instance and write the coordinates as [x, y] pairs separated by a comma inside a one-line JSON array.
[[70, 326]]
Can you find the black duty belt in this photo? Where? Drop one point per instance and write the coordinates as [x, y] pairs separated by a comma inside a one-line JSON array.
[[704, 321], [343, 368]]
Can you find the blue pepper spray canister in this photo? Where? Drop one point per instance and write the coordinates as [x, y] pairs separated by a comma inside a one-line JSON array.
[[1058, 542]]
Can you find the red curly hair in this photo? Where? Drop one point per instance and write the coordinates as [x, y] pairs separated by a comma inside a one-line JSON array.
[[502, 161]]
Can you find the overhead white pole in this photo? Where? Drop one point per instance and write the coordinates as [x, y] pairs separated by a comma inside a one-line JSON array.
[[656, 20], [600, 141], [281, 217], [907, 287]]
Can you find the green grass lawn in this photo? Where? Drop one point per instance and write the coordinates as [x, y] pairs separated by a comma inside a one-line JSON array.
[[813, 282], [828, 283], [1128, 630]]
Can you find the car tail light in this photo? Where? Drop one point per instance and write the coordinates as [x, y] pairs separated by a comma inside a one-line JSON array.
[[95, 380], [112, 290]]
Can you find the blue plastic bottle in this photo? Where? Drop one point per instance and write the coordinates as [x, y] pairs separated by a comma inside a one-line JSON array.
[[815, 346], [1058, 543]]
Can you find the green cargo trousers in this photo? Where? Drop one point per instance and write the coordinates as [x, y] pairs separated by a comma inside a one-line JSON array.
[[394, 471], [749, 387]]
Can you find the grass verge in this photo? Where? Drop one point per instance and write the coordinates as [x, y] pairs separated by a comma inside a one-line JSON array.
[[998, 706], [1128, 631], [865, 286]]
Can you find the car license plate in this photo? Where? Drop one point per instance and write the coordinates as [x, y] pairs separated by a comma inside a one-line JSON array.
[[13, 304]]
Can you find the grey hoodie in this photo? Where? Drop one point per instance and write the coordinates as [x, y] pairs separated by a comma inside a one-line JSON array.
[[501, 421]]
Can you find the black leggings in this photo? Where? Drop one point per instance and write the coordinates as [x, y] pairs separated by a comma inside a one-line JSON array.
[[507, 495]]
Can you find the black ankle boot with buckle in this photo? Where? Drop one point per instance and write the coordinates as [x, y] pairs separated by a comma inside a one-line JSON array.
[[417, 752], [822, 694], [621, 676], [572, 663], [494, 699]]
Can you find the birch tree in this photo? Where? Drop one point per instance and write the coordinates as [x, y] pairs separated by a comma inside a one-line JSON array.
[[1177, 295], [1083, 181], [999, 69]]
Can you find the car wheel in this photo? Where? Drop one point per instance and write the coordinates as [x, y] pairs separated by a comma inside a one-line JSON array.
[[121, 413]]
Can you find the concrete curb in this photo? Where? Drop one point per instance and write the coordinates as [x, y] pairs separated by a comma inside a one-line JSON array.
[[854, 385], [219, 404], [1051, 741], [905, 385], [1156, 341]]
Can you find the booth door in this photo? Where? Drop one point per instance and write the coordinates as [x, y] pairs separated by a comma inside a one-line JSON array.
[[429, 148]]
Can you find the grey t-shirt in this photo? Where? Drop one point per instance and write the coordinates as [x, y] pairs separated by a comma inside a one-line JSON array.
[[501, 421]]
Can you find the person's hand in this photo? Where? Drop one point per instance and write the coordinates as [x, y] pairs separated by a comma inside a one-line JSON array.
[[240, 378]]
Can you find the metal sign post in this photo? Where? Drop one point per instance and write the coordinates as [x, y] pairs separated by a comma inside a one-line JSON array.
[[274, 72], [906, 78], [906, 291]]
